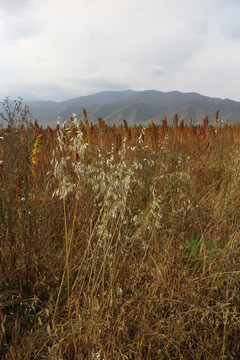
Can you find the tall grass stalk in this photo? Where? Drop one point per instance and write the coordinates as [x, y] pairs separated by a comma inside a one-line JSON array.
[[132, 249], [68, 245]]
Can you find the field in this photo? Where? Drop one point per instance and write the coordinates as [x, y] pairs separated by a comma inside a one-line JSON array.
[[119, 242]]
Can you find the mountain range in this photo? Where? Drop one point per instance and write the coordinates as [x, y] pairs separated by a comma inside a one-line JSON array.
[[138, 107]]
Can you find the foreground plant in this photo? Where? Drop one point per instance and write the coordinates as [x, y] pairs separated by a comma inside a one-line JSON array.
[[135, 256]]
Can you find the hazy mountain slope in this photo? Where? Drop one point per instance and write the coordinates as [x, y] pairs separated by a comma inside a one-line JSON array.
[[138, 107], [146, 106], [199, 108], [66, 108]]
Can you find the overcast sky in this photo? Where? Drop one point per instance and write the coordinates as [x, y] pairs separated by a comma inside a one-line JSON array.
[[60, 49]]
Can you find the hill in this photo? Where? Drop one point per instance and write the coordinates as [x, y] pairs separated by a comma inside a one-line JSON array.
[[138, 107]]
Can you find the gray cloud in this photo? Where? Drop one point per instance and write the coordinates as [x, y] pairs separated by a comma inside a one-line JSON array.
[[65, 89], [18, 20], [15, 6], [77, 47], [227, 20], [104, 81], [15, 29], [88, 84], [29, 91]]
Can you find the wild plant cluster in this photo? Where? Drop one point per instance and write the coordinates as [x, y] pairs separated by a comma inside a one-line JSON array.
[[119, 242]]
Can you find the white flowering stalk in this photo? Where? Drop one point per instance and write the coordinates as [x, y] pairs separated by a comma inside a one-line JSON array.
[[68, 164], [152, 216], [111, 181], [140, 140], [110, 178]]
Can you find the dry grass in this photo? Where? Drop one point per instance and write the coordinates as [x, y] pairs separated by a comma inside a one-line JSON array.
[[136, 256]]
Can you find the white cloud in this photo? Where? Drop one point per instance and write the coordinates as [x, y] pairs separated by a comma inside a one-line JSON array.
[[157, 69], [66, 49]]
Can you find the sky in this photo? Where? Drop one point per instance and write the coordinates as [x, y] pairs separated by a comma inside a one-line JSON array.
[[62, 49]]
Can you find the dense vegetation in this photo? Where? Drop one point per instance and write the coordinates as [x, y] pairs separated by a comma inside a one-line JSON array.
[[119, 242]]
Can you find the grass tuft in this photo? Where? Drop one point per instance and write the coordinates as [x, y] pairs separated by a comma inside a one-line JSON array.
[[119, 242]]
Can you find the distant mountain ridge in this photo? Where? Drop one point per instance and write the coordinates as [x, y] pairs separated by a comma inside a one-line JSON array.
[[138, 107]]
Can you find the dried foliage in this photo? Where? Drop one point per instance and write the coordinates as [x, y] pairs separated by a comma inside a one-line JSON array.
[[119, 242]]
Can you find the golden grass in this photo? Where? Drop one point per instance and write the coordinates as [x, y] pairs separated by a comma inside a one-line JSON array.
[[138, 260]]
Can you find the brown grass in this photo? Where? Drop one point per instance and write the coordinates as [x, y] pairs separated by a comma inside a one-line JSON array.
[[146, 267]]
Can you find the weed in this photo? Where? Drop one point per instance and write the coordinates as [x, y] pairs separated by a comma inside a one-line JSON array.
[[118, 242]]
